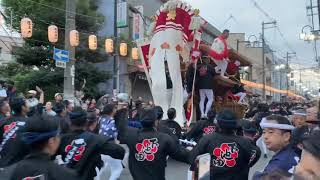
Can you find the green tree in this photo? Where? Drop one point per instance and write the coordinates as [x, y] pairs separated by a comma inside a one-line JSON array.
[[37, 51]]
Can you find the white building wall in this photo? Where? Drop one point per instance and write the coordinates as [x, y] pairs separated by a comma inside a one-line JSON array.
[[7, 45]]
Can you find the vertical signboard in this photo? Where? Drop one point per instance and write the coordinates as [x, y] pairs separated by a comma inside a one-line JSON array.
[[122, 14], [138, 25]]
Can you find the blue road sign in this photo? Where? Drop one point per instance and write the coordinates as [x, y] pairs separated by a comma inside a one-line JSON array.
[[61, 55]]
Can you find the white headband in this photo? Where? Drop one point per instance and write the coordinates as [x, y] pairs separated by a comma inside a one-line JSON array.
[[301, 114], [264, 124]]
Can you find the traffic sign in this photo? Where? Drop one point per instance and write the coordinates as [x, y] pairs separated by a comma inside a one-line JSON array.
[[61, 55], [61, 64]]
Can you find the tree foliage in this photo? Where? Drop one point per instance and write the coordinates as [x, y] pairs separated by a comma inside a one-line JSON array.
[[37, 51]]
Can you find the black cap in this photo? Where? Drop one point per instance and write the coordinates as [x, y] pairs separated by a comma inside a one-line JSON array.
[[39, 129], [299, 134], [148, 115], [59, 107], [227, 119], [312, 144], [248, 127], [78, 117]]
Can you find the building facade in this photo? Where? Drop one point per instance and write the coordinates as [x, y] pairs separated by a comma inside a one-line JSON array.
[[9, 41], [7, 45], [304, 80]]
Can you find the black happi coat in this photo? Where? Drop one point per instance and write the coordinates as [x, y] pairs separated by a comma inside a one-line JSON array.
[[148, 153], [12, 148], [174, 127], [40, 166], [205, 74], [201, 128], [81, 151], [231, 155]]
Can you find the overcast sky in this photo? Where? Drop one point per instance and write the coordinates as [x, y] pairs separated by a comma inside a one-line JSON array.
[[291, 16]]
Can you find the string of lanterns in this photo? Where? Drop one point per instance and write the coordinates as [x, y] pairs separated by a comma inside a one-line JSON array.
[[26, 26]]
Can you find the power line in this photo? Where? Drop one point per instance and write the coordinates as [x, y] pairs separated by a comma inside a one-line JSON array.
[[63, 10], [231, 17], [52, 7], [272, 19], [261, 10]]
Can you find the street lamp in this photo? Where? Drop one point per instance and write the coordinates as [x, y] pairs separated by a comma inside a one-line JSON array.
[[280, 66], [255, 43], [308, 37]]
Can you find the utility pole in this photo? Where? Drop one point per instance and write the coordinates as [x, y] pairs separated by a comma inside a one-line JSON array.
[[311, 7], [287, 70], [300, 83], [68, 84], [116, 53], [280, 77], [263, 64], [263, 56], [318, 4], [315, 42]]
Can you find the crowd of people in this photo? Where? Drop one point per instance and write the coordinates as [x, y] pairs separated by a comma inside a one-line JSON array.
[[63, 139]]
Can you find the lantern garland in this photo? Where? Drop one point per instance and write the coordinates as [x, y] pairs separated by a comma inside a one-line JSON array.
[[74, 38], [53, 34], [93, 42], [135, 53], [123, 49], [26, 26], [109, 46]]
